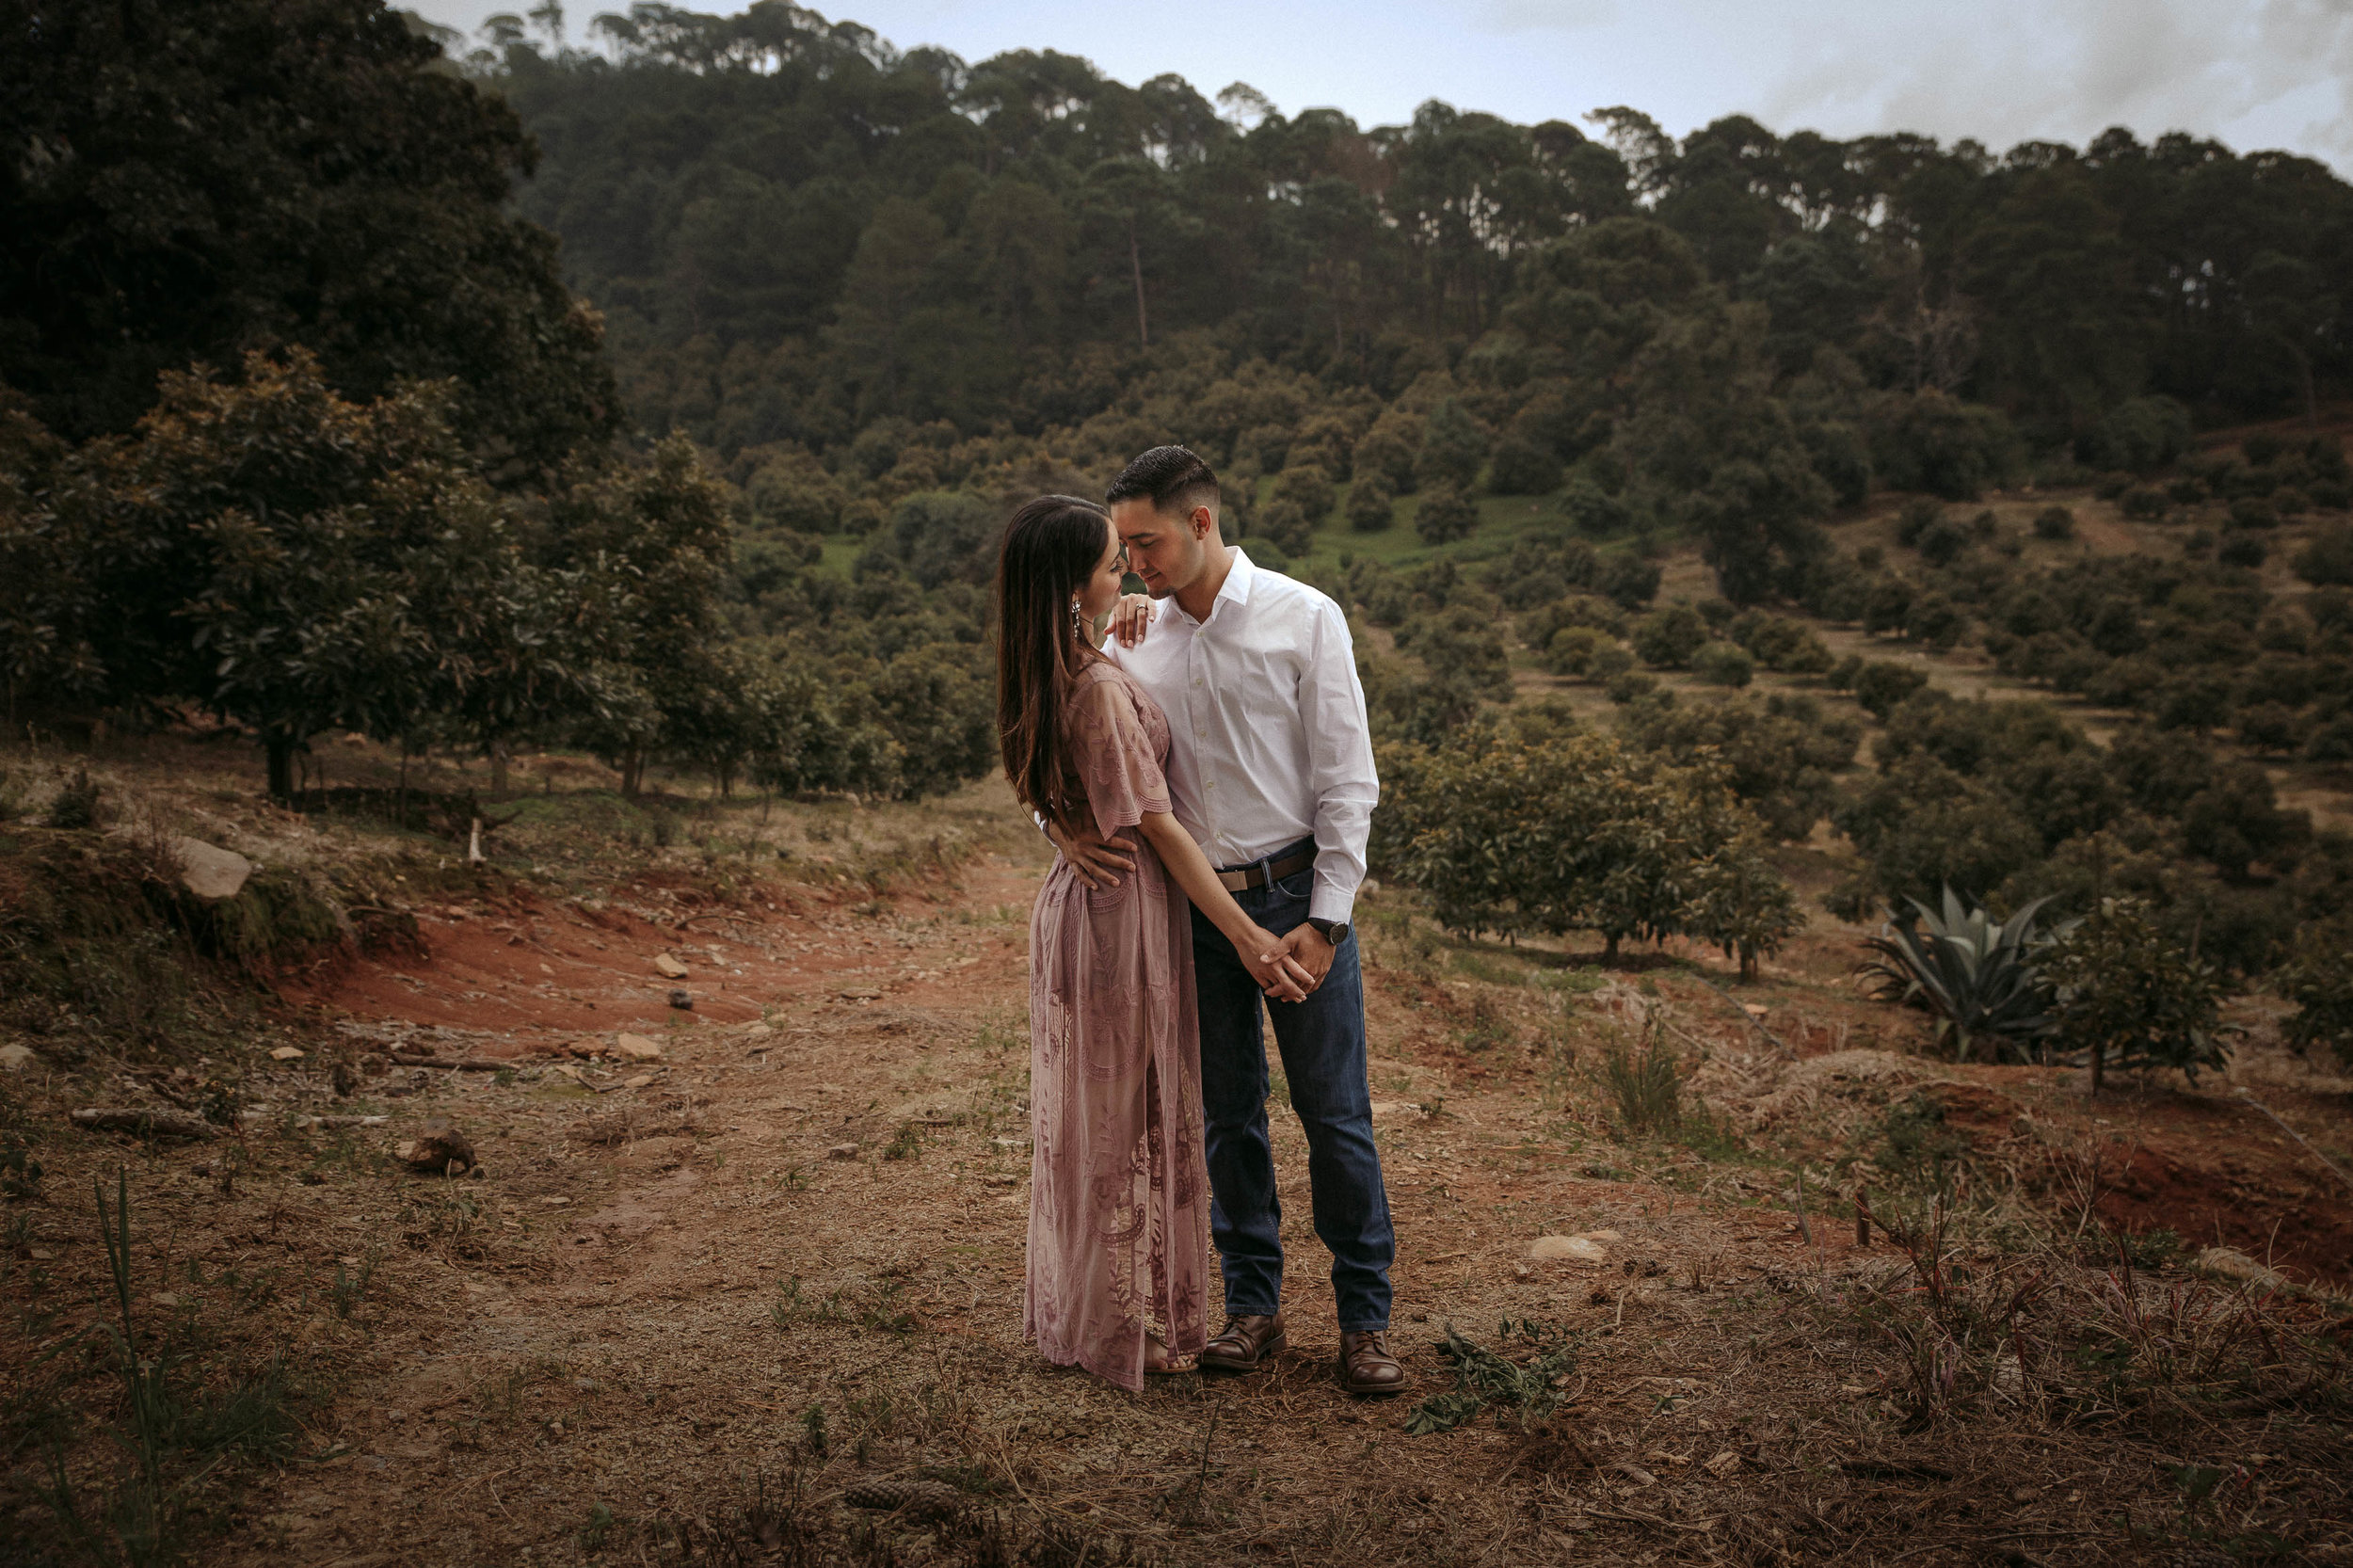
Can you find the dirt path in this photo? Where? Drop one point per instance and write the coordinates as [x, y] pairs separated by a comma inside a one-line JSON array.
[[643, 1315]]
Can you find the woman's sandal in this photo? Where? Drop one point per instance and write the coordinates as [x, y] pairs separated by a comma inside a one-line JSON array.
[[1159, 1361]]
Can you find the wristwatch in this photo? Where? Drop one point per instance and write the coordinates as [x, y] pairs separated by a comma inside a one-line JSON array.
[[1334, 931]]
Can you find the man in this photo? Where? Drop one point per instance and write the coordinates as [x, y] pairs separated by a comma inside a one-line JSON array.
[[1269, 768]]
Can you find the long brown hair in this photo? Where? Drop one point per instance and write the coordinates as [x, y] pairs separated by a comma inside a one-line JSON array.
[[1051, 548]]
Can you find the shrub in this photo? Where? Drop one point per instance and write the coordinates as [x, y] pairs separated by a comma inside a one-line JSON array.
[[2327, 560], [2054, 524], [1915, 518], [2243, 549], [1721, 663], [1521, 468], [1308, 488], [1941, 542], [1453, 445], [2253, 512], [1975, 975], [2128, 993], [2139, 434], [1665, 639], [1389, 449], [1445, 514], [1628, 581], [1595, 511], [1790, 647], [1929, 442], [1285, 524], [1878, 685], [75, 804], [2143, 503], [2318, 979], [1371, 503], [1561, 833], [1629, 685], [1572, 651]]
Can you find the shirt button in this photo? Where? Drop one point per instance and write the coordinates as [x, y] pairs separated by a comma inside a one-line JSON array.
[[1210, 785]]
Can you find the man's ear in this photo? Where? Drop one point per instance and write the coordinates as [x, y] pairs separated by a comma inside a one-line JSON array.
[[1203, 520]]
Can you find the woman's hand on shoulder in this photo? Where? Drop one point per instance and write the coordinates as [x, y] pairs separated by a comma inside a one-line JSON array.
[[1130, 617]]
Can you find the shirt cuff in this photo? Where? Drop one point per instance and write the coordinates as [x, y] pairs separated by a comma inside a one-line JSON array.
[[1328, 902]]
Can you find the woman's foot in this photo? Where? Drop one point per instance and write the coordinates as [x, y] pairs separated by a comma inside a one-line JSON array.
[[1158, 1360]]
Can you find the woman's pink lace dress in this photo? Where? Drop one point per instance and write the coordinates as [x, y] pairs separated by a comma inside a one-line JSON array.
[[1119, 1197]]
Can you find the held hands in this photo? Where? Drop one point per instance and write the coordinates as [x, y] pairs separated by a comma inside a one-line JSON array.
[[1277, 974], [1306, 953], [1133, 612]]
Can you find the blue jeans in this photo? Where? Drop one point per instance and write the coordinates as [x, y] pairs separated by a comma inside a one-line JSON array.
[[1322, 1045]]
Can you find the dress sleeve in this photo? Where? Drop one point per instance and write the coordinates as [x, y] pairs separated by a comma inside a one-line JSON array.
[[1115, 758]]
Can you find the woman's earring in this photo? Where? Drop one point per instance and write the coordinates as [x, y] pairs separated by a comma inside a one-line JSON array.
[[1078, 621]]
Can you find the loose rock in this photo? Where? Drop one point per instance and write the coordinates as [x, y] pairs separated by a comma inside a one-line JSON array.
[[1580, 1249], [209, 870], [287, 1053], [666, 965], [682, 1000], [15, 1058], [842, 1151], [637, 1048], [438, 1149]]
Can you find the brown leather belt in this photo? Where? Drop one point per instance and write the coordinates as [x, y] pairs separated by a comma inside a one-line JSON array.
[[1261, 874]]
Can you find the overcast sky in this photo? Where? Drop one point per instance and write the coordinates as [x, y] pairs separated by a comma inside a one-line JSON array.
[[2256, 74]]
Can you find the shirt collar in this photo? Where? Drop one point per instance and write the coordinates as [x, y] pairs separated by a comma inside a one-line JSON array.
[[1235, 589], [1236, 586]]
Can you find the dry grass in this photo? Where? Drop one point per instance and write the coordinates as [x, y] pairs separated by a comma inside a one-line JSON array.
[[671, 1324]]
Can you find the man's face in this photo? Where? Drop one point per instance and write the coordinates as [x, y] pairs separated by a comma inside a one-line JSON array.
[[1167, 550]]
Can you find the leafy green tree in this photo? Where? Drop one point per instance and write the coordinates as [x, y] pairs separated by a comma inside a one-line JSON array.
[[287, 559], [1783, 755], [1453, 447], [2128, 996], [662, 528], [1306, 487], [1445, 514], [1371, 503], [1628, 581], [1665, 639], [1721, 663], [1522, 467], [202, 179], [2318, 979]]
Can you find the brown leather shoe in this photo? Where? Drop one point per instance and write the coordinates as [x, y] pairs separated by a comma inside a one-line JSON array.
[[1245, 1343], [1367, 1368]]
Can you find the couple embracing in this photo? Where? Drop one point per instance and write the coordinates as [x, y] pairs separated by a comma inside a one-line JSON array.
[[1209, 786]]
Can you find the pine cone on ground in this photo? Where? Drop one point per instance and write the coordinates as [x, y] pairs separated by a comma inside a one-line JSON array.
[[922, 1500]]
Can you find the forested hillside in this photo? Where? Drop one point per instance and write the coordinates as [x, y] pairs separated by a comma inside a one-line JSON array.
[[664, 400]]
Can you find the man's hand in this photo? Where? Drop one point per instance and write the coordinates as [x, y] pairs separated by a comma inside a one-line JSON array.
[[1308, 952], [1133, 612], [1100, 862]]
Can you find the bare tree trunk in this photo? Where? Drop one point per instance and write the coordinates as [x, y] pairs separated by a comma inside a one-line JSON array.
[[1135, 268], [501, 755], [278, 750]]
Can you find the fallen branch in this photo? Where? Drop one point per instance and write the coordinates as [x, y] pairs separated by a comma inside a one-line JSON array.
[[2284, 1127], [147, 1124], [456, 1064]]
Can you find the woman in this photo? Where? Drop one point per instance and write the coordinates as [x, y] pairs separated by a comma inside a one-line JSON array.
[[1119, 1194]]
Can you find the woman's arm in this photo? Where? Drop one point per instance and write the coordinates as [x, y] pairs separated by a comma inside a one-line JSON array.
[[1279, 976]]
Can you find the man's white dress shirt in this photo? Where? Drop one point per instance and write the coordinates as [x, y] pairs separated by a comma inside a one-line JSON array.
[[1268, 738]]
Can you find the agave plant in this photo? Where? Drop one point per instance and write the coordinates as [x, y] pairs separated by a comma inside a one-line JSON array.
[[1976, 975]]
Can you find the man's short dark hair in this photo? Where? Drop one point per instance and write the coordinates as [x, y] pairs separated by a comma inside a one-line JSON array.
[[1173, 478]]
